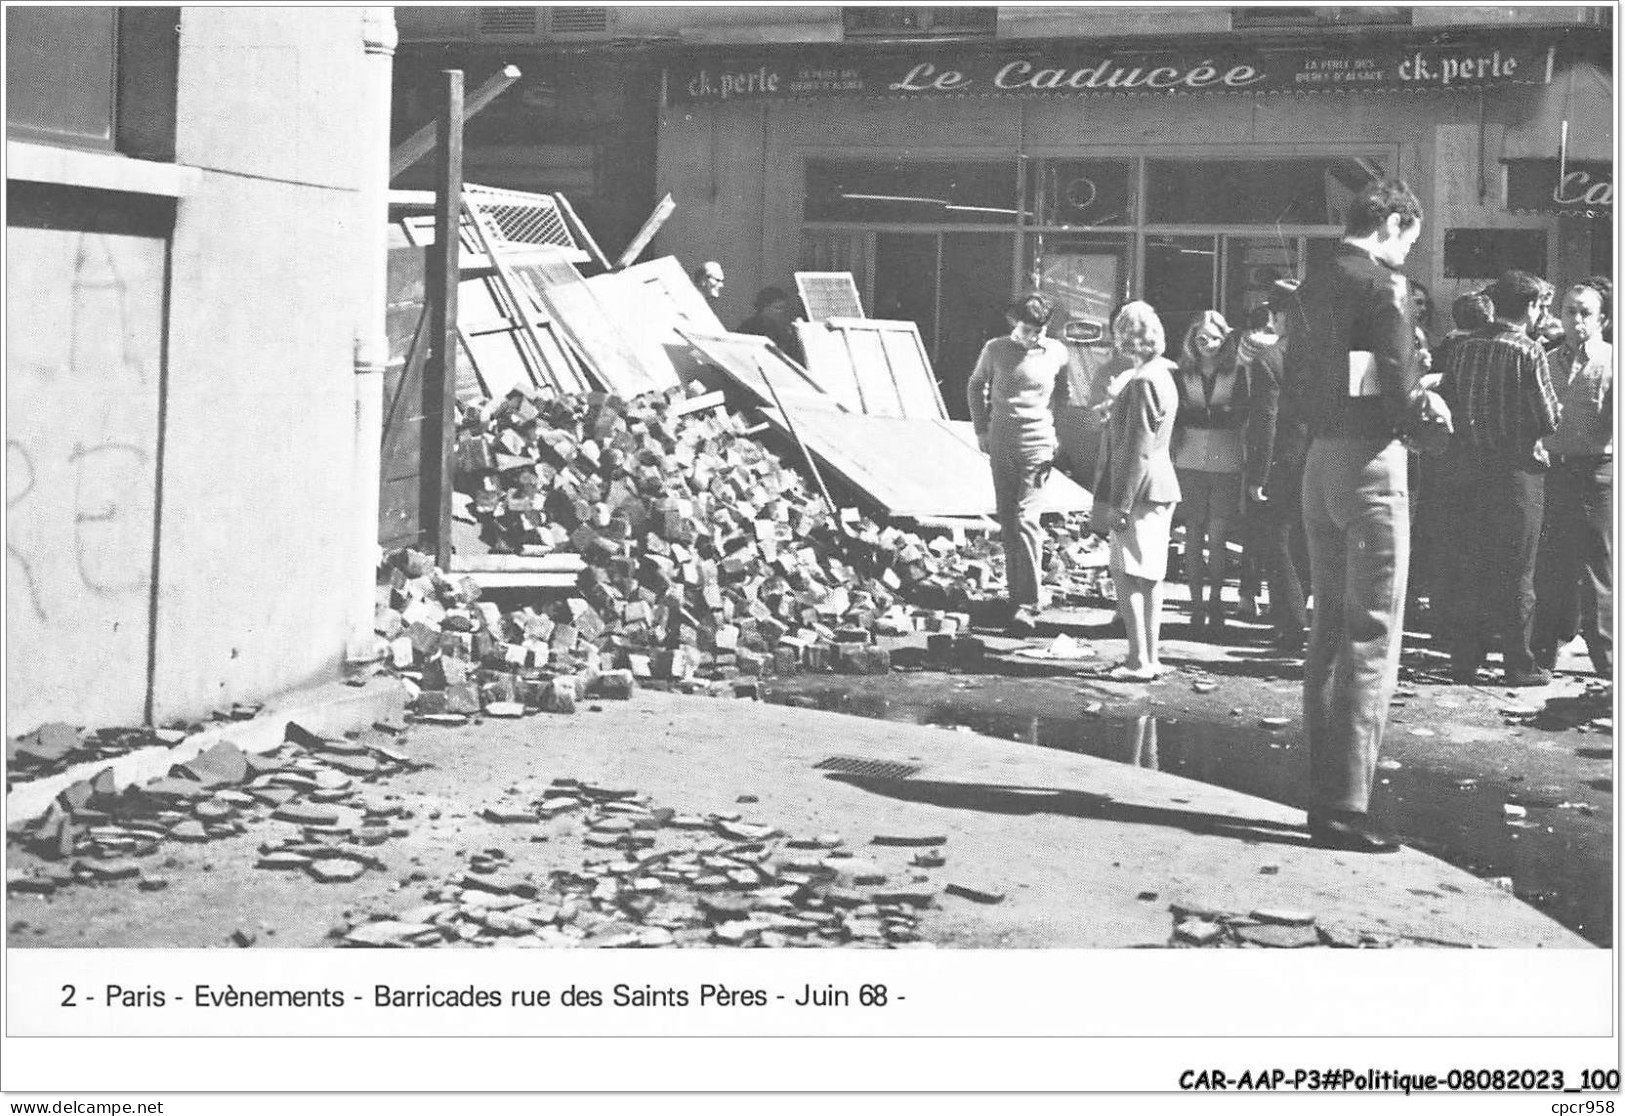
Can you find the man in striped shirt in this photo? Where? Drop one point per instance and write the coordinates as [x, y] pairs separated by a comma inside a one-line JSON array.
[[1499, 389]]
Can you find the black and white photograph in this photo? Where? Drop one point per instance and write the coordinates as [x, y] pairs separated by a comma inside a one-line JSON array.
[[1090, 493]]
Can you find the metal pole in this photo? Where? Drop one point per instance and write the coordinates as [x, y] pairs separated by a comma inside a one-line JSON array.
[[440, 375]]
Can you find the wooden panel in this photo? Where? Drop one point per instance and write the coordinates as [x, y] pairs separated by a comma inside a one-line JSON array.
[[830, 364], [875, 366], [868, 356], [658, 300], [751, 362], [914, 467], [917, 386], [625, 361]]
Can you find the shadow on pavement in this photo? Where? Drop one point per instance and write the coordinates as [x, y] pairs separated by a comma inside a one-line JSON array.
[[1007, 799]]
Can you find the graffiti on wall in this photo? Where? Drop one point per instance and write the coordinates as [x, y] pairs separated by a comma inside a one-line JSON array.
[[83, 332]]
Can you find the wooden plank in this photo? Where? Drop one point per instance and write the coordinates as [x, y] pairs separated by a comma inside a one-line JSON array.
[[582, 233], [489, 579], [662, 211], [566, 563], [439, 380], [696, 403], [422, 141]]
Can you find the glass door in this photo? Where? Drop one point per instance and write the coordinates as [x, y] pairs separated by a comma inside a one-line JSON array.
[[952, 285], [1181, 281]]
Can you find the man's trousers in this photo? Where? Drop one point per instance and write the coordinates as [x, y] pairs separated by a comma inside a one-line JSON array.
[[1356, 513], [1574, 574]]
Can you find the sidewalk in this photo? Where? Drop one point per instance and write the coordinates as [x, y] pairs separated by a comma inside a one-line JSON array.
[[1085, 852]]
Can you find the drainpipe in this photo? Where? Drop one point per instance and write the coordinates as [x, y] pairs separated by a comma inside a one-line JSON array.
[[378, 39]]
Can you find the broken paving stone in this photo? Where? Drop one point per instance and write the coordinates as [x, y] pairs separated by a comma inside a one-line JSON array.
[[1274, 722], [282, 860], [505, 709], [213, 811], [908, 897], [189, 830], [353, 765], [1204, 687], [390, 933], [1279, 937], [745, 831], [974, 893], [911, 840], [503, 816], [1282, 917], [336, 870], [1197, 931], [1513, 811], [110, 870], [301, 814], [152, 883], [930, 859], [29, 885]]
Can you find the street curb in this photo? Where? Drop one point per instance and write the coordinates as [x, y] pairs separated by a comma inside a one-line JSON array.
[[329, 709]]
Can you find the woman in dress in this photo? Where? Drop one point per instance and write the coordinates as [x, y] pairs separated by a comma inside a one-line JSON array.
[[1208, 456], [1135, 486], [1012, 396]]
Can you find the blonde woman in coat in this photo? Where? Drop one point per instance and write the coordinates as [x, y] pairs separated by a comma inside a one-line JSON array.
[[1136, 488]]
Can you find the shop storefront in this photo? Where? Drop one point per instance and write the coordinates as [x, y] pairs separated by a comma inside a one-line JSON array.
[[1192, 176]]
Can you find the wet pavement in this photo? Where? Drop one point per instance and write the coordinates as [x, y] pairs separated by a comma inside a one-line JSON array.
[[1453, 780]]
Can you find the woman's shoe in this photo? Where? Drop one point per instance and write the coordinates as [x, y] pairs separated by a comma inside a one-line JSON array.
[[1132, 674]]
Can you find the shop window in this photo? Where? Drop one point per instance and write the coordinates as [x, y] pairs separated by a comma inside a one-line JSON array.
[[981, 193], [910, 22], [1255, 192], [1317, 17], [1081, 192], [93, 77], [1486, 253]]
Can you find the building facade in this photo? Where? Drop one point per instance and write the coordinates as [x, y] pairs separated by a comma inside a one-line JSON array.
[[194, 295], [949, 157]]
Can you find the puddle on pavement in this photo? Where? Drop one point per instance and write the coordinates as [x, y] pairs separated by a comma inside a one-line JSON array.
[[1551, 865]]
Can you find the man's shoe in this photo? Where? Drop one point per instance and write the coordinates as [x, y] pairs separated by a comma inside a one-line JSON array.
[[1349, 832], [1023, 624], [1523, 678]]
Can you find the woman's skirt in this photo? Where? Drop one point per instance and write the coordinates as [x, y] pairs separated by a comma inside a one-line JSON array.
[[1141, 549]]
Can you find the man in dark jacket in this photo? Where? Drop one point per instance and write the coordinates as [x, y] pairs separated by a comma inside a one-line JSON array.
[[1351, 377], [1493, 483]]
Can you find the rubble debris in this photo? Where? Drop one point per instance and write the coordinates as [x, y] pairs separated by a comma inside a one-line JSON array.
[[660, 881], [974, 893]]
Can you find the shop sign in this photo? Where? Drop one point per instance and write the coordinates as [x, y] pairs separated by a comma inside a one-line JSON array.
[[1547, 186], [1074, 69]]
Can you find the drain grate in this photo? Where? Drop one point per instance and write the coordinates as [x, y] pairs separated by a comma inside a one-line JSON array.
[[873, 768]]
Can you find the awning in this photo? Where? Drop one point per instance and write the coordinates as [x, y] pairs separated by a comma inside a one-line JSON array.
[[1481, 60]]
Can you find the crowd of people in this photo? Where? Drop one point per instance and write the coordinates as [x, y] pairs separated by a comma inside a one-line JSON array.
[[1323, 436]]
